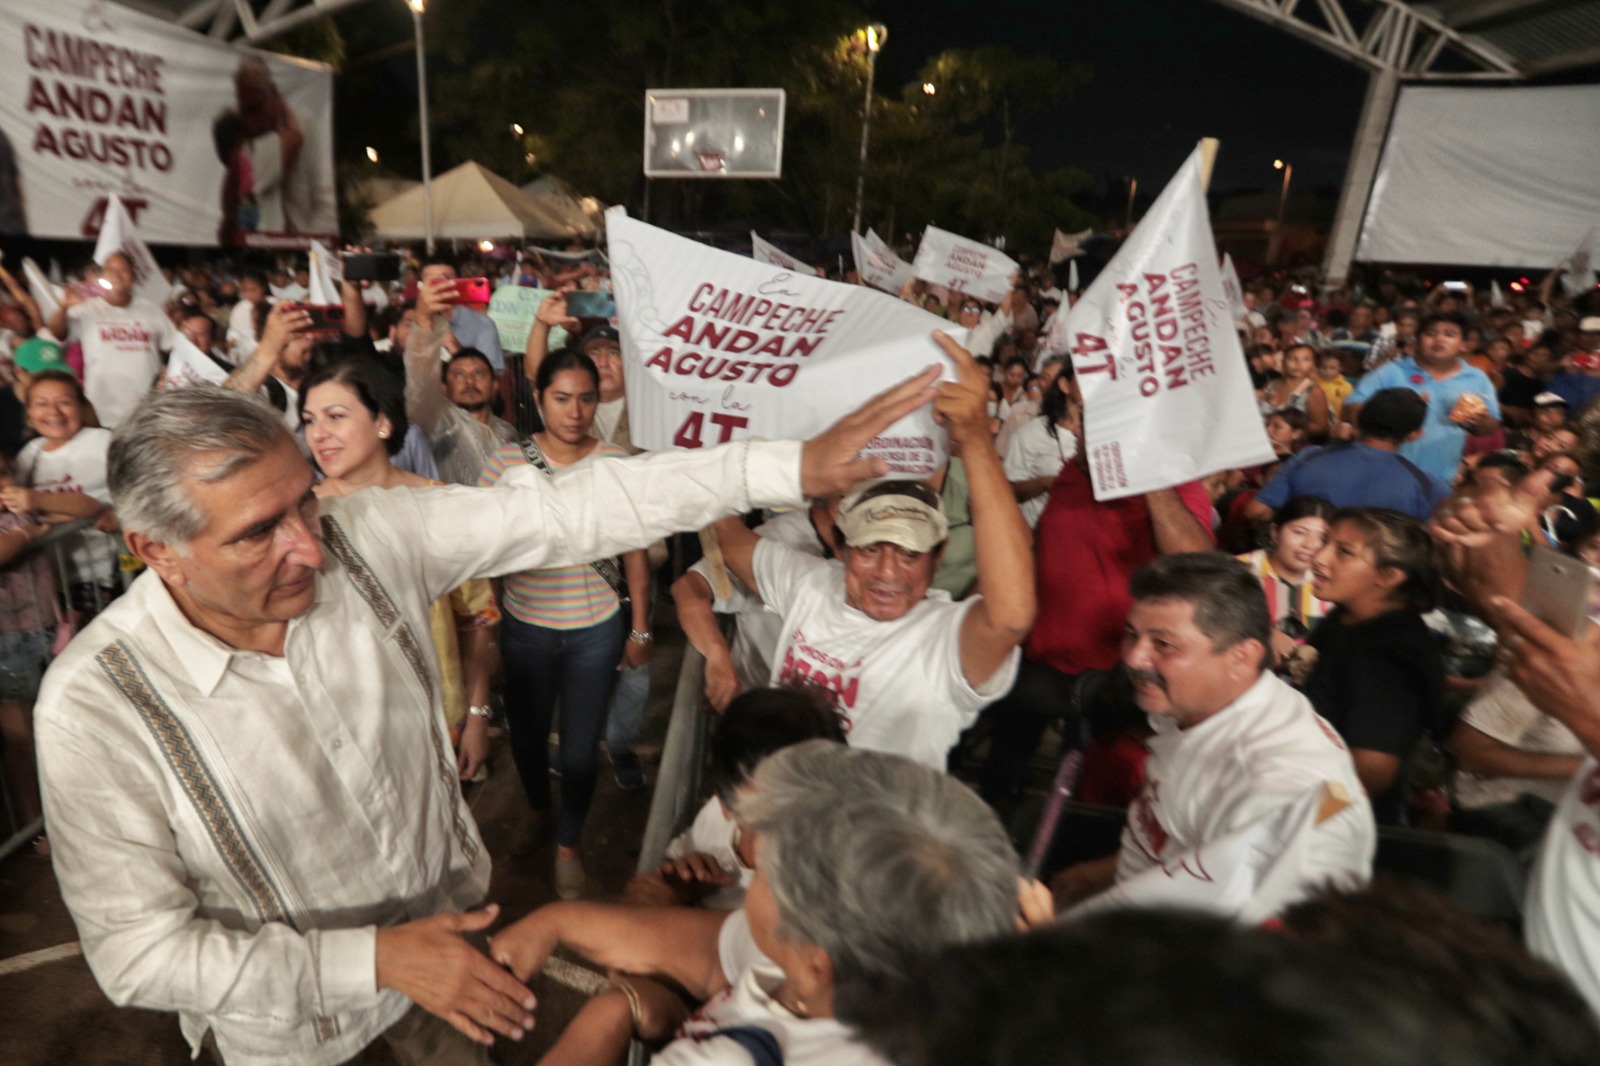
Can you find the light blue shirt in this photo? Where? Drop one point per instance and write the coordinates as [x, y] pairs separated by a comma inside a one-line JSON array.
[[474, 329], [1439, 449]]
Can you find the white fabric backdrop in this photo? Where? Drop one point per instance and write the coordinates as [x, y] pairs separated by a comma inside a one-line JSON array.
[[1486, 177]]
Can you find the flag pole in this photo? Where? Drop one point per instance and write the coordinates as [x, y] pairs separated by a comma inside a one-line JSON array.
[[1208, 156]]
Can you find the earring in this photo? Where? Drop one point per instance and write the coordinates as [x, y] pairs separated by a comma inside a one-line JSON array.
[[383, 434]]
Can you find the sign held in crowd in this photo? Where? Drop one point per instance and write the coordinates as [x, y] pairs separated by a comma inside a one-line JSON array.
[[1067, 245], [188, 365], [512, 309], [717, 347], [118, 234], [1166, 389], [947, 259], [877, 263], [766, 252]]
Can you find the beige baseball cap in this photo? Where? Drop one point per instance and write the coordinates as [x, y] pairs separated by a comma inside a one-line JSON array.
[[904, 513]]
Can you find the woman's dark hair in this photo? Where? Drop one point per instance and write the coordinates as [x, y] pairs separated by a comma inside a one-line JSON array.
[[762, 721], [1302, 507], [380, 393], [1053, 404], [1293, 417], [563, 359], [1399, 542], [61, 377]]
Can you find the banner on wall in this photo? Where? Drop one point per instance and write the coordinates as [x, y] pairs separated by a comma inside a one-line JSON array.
[[717, 347], [202, 142]]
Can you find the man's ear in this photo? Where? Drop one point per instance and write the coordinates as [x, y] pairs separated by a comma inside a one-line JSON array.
[[160, 557], [1247, 656]]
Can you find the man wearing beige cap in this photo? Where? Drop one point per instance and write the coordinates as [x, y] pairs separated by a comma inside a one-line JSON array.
[[909, 668]]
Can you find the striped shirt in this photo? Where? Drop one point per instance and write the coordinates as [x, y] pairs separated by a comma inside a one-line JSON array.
[[565, 597]]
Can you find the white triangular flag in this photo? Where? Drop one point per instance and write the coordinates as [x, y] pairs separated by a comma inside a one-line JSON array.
[[46, 295], [188, 365], [326, 274], [763, 252], [1072, 276], [878, 265], [1231, 286], [948, 259], [1497, 299], [1579, 277], [118, 234], [1166, 389], [1067, 245]]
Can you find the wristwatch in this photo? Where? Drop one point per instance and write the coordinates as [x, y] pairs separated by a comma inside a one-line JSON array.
[[485, 712], [640, 638]]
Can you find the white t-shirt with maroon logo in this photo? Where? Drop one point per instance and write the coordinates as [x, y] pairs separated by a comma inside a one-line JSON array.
[[122, 349], [899, 684], [77, 466], [1563, 919], [758, 628], [1264, 752]]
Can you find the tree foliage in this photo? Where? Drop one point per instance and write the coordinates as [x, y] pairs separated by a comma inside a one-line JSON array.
[[574, 78]]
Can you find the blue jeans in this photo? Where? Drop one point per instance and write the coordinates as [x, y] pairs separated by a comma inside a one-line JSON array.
[[627, 709], [578, 666]]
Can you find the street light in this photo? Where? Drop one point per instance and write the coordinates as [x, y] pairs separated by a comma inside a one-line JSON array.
[[929, 88], [372, 154], [1275, 245], [422, 120], [516, 127], [875, 34]]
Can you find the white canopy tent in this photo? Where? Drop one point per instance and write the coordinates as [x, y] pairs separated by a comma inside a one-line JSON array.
[[472, 203], [557, 196]]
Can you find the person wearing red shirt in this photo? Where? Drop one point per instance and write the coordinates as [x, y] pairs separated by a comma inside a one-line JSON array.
[[1085, 551]]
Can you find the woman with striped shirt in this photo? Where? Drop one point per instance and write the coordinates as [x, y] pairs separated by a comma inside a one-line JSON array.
[[566, 631]]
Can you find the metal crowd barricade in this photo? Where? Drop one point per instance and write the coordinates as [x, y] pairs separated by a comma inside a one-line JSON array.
[[51, 541], [677, 794]]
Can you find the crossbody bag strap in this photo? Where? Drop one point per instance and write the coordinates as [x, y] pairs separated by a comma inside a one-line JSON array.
[[608, 569]]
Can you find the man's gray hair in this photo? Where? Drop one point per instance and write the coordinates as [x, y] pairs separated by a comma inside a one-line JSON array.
[[200, 433], [879, 861]]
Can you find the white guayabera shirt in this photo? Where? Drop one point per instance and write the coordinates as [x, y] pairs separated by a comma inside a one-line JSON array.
[[230, 829]]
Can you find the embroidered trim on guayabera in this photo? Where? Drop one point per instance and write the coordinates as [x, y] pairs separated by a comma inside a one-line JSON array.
[[178, 748], [383, 607]]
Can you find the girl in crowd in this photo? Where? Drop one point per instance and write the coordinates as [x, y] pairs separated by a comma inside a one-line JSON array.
[[1038, 450], [1298, 530], [1378, 677], [566, 632], [64, 471], [354, 416], [1298, 389]]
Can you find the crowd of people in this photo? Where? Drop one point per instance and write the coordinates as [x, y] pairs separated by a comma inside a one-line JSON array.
[[307, 601]]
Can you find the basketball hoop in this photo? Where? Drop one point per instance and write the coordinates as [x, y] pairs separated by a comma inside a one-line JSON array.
[[712, 161]]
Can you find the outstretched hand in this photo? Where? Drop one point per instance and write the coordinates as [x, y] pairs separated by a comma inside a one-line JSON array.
[[962, 405], [1480, 536], [431, 964], [1559, 674], [831, 462]]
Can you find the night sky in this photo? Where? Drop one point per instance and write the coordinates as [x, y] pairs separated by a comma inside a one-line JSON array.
[[1166, 73]]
